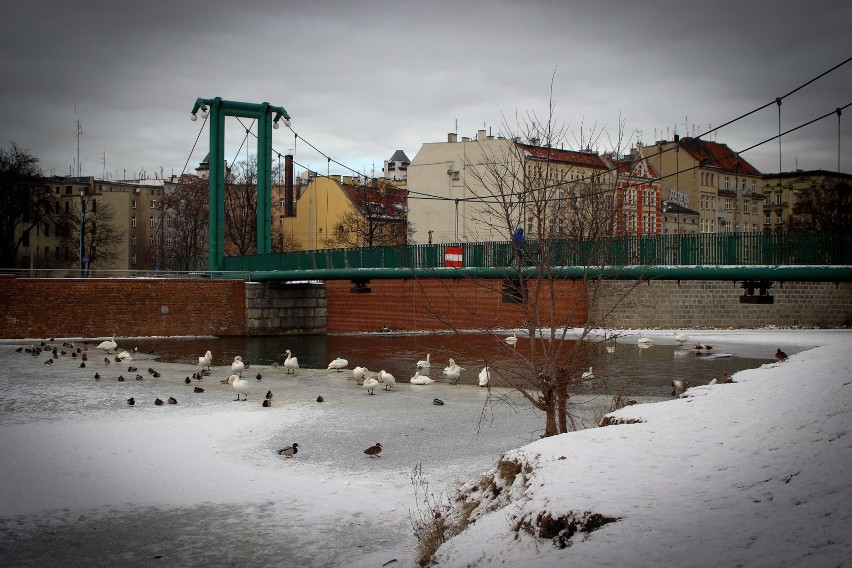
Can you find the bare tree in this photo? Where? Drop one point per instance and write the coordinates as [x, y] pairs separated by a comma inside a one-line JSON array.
[[378, 216], [241, 208], [826, 207], [568, 205], [101, 238], [25, 201], [184, 229]]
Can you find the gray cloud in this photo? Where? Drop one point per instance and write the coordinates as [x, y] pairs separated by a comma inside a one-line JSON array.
[[364, 79]]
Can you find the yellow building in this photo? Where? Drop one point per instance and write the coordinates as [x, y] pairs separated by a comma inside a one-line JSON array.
[[341, 211], [712, 179], [136, 217]]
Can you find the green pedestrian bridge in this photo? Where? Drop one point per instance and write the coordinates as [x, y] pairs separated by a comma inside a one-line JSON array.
[[781, 256]]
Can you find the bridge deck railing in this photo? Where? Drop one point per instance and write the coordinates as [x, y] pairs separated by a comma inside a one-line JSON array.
[[748, 249]]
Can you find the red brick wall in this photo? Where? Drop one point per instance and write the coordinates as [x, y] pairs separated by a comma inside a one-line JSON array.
[[421, 305], [73, 307]]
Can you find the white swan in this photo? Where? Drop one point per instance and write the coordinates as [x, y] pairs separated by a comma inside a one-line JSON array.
[[290, 363], [108, 345], [587, 375], [680, 337], [124, 356], [338, 364], [512, 339], [369, 384], [484, 376], [359, 372], [240, 385], [387, 379], [205, 361], [237, 366], [453, 371], [642, 340], [424, 364], [419, 379]]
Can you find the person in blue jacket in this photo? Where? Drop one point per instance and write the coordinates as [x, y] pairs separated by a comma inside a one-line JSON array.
[[519, 240]]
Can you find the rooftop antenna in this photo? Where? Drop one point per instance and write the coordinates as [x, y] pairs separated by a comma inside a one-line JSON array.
[[79, 132], [104, 162]]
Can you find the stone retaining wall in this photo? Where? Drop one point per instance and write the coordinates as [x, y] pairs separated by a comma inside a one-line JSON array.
[[697, 303], [280, 308]]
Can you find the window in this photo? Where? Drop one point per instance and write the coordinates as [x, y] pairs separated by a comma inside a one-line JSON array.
[[153, 204], [133, 221], [753, 185], [133, 240], [133, 204], [778, 198], [169, 241], [726, 183], [754, 207], [133, 260], [68, 190], [743, 185], [151, 222]]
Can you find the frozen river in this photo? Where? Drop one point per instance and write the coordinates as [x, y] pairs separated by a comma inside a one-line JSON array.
[[91, 481]]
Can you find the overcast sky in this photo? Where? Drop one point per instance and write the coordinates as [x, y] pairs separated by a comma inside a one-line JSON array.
[[363, 79]]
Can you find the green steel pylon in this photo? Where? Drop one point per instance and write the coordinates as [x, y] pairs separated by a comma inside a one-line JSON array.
[[262, 112]]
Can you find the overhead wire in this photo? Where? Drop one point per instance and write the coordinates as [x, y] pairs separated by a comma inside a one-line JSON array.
[[418, 195]]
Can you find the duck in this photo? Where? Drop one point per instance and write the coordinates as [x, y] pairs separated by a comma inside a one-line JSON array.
[[338, 364], [198, 389], [438, 402], [206, 360], [680, 337], [108, 345], [387, 379], [240, 385], [484, 376], [269, 395], [320, 399], [266, 403], [780, 355], [172, 400], [512, 339], [359, 372], [424, 364], [369, 384], [290, 363], [679, 385], [419, 379], [453, 371], [588, 375], [642, 340], [289, 451], [374, 451], [158, 402], [131, 401], [237, 366], [258, 376]]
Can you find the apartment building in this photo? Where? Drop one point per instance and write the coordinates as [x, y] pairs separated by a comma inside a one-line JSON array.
[[479, 189], [783, 190], [131, 209], [711, 178]]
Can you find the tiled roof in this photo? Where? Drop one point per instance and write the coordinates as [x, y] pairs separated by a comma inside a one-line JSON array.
[[717, 155], [584, 159], [389, 203], [399, 156]]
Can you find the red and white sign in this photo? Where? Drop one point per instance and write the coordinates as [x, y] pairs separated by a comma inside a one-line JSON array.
[[453, 256]]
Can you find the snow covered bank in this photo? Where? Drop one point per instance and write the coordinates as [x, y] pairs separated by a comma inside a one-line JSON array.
[[754, 473]]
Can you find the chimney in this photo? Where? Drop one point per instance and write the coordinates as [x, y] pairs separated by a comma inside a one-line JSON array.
[[452, 137], [289, 209], [480, 134]]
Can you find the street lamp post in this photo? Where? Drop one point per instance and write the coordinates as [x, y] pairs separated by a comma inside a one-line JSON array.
[[82, 225]]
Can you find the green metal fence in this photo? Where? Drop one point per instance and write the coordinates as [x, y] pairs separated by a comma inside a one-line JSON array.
[[746, 249]]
